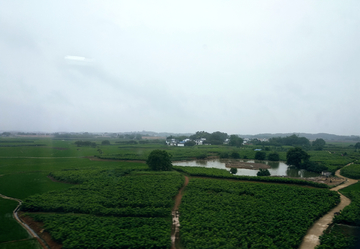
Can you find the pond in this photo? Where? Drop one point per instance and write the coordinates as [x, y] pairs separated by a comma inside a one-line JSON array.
[[277, 168]]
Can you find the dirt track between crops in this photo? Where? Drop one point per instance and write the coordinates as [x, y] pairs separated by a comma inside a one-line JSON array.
[[175, 216], [311, 239]]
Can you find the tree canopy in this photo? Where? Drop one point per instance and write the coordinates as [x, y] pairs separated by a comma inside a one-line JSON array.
[[263, 172], [159, 160], [296, 156], [318, 144], [260, 155], [235, 140], [274, 156]]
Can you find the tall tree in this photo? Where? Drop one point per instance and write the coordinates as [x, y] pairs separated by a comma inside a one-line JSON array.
[[318, 144], [235, 140], [296, 156], [159, 160]]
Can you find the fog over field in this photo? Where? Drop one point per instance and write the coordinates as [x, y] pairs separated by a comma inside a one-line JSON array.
[[241, 67]]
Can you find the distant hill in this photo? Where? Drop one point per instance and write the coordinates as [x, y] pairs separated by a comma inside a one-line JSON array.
[[325, 136]]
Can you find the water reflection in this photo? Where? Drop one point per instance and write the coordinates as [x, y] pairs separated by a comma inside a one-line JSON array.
[[277, 168]]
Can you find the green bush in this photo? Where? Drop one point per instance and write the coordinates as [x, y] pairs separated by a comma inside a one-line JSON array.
[[274, 156], [263, 172], [235, 155], [159, 160], [260, 155]]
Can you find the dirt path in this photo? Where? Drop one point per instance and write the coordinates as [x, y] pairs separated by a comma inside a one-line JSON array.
[[175, 215], [311, 239], [23, 224]]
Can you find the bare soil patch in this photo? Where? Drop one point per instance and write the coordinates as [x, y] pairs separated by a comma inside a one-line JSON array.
[[38, 227], [245, 165]]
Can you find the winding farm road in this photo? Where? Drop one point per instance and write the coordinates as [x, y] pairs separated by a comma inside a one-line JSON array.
[[25, 226], [311, 239]]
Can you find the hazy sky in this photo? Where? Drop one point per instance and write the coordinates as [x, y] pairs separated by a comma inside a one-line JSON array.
[[241, 67]]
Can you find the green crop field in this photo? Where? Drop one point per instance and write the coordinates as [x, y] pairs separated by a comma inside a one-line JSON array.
[[91, 195], [228, 214]]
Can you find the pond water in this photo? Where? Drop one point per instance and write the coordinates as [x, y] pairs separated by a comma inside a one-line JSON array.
[[277, 168]]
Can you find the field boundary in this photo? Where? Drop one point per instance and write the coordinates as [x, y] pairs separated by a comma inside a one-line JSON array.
[[25, 226]]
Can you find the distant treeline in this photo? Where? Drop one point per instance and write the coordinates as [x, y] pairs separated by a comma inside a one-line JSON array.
[[22, 145], [148, 141], [16, 141], [292, 140], [135, 136], [72, 136]]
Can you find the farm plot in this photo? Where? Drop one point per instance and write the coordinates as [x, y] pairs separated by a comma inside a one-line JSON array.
[[109, 209], [227, 214]]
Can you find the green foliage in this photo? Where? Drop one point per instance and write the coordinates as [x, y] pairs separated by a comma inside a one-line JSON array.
[[105, 142], [159, 160], [233, 171], [235, 155], [313, 166], [274, 156], [263, 172], [335, 238], [351, 171], [9, 228], [224, 155], [292, 140], [22, 244], [260, 155], [228, 214], [202, 156], [235, 140], [357, 145], [189, 143], [87, 231], [296, 156], [108, 193], [318, 144]]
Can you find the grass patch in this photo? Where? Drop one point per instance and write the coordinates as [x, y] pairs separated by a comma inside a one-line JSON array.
[[9, 228]]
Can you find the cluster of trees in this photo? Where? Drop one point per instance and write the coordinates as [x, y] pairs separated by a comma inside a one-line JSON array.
[[215, 138], [293, 140], [85, 143], [159, 160], [299, 158], [263, 172]]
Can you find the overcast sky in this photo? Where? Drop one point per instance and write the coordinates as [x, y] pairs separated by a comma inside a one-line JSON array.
[[242, 67]]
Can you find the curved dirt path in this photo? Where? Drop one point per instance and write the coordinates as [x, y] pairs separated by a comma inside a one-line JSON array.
[[311, 239], [24, 225], [175, 215]]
